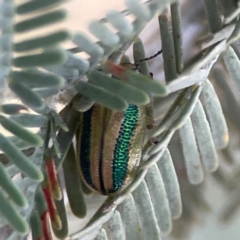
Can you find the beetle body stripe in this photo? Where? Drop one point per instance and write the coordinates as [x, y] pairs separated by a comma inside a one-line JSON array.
[[109, 147], [121, 151]]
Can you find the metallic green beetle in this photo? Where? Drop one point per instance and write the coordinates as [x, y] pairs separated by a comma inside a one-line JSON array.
[[109, 146]]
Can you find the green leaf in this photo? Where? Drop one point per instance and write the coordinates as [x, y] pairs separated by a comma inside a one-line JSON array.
[[28, 97], [29, 120], [232, 63], [14, 193], [85, 44], [191, 154], [42, 42], [139, 54], [20, 160], [101, 96], [36, 225], [72, 178], [12, 215], [103, 33], [171, 184], [159, 199], [34, 78], [21, 132], [141, 11], [119, 22], [137, 80], [146, 212], [47, 57], [128, 210], [40, 21], [119, 88], [40, 202], [12, 109], [215, 116], [204, 138], [168, 48], [36, 5]]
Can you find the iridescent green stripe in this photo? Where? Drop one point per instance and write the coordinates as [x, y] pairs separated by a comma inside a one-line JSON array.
[[121, 151]]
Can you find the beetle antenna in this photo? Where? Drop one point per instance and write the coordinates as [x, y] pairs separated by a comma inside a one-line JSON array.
[[148, 58]]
